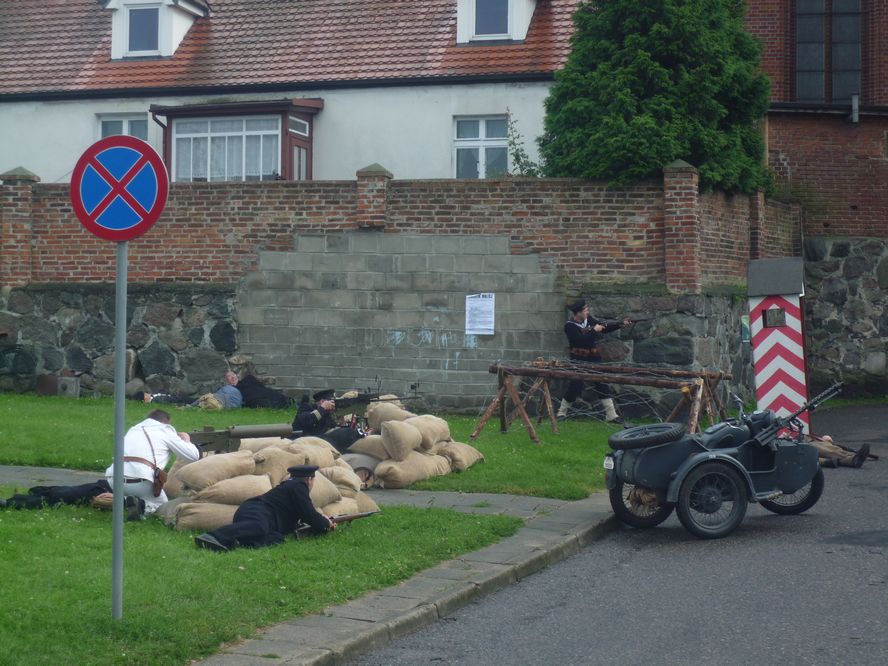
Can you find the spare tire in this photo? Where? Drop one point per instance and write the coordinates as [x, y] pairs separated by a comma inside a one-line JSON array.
[[642, 436]]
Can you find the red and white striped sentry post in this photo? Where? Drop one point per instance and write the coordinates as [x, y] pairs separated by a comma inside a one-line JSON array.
[[778, 354]]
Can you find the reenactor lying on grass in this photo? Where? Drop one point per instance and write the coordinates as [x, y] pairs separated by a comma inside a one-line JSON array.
[[267, 520]]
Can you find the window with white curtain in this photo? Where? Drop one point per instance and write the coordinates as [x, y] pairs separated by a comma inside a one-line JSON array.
[[220, 149]]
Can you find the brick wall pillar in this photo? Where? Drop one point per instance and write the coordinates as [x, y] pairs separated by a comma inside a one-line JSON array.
[[371, 208], [681, 214], [16, 198], [756, 224]]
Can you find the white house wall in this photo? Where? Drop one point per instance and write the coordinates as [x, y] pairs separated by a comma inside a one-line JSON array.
[[408, 130]]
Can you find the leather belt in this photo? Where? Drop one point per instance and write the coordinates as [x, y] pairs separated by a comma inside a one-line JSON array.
[[134, 480], [580, 351]]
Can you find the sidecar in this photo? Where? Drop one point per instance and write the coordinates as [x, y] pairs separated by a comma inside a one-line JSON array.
[[707, 478]]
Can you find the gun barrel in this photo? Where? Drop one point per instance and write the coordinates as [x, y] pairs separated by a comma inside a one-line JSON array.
[[272, 430]]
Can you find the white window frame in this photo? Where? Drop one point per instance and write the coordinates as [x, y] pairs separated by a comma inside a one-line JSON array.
[[126, 119], [482, 142], [486, 36], [136, 5], [209, 135]]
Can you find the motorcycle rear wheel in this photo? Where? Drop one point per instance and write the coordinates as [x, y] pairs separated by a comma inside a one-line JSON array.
[[634, 513], [643, 436], [799, 501], [712, 500]]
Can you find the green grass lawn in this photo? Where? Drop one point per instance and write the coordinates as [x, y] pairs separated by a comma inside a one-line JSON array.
[[79, 434], [181, 603]]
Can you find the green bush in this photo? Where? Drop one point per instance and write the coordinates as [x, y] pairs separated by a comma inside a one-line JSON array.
[[651, 81]]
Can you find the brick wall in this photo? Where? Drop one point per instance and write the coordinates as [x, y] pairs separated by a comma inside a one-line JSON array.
[[837, 170], [211, 232]]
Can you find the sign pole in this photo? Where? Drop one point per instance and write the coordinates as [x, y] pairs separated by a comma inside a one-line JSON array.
[[118, 189], [119, 429]]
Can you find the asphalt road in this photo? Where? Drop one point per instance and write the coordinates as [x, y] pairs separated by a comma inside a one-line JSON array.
[[809, 589]]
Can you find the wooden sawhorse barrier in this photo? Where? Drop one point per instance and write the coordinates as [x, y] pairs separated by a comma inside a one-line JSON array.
[[697, 387]]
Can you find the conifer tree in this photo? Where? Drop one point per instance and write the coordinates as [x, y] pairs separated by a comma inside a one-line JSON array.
[[651, 81]]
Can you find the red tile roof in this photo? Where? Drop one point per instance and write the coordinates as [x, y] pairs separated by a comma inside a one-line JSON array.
[[60, 47]]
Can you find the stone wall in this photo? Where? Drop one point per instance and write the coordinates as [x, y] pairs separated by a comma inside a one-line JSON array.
[[846, 313], [347, 283], [179, 339]]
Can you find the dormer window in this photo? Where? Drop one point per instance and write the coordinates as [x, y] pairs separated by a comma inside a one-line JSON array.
[[145, 28], [493, 20]]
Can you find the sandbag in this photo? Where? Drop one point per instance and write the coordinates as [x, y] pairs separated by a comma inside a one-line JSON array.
[[392, 399], [345, 480], [207, 471], [399, 439], [314, 455], [209, 402], [174, 487], [340, 462], [461, 456], [324, 491], [434, 429], [319, 442], [166, 512], [236, 490], [203, 516], [380, 412], [255, 444], [344, 507], [370, 445], [365, 503], [417, 467], [274, 462]]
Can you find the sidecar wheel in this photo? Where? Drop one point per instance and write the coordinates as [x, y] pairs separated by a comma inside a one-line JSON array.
[[643, 436], [712, 501], [634, 513], [799, 501]]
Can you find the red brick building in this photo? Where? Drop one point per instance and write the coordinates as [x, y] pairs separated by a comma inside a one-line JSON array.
[[825, 148]]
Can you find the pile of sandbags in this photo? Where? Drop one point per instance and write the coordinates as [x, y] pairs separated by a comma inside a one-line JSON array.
[[409, 448], [205, 494]]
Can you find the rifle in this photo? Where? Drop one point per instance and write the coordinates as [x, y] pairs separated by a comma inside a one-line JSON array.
[[230, 438], [302, 530], [768, 435]]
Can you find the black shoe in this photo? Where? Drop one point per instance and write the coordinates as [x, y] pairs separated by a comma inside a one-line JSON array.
[[860, 456], [134, 507], [209, 542]]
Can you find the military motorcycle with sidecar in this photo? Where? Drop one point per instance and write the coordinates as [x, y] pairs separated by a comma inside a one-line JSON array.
[[709, 478]]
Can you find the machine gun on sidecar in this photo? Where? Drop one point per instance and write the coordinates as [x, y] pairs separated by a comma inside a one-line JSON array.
[[708, 478]]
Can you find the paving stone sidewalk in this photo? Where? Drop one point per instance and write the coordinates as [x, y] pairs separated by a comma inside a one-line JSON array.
[[553, 531]]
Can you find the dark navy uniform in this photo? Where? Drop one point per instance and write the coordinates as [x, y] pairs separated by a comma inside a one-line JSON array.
[[267, 520]]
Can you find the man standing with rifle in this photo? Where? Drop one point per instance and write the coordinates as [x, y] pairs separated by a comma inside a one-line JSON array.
[[584, 334], [267, 520]]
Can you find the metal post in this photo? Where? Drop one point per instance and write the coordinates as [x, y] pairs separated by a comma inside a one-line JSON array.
[[119, 431]]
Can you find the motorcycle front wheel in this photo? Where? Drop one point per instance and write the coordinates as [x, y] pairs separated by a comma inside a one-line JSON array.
[[712, 500], [629, 507], [799, 501]]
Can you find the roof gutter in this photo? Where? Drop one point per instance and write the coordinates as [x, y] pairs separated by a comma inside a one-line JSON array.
[[120, 93]]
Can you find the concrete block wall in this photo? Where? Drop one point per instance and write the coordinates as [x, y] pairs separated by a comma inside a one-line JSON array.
[[342, 310]]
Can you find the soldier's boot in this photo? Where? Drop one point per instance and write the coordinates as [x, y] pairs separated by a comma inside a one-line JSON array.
[[610, 412], [860, 456], [562, 410]]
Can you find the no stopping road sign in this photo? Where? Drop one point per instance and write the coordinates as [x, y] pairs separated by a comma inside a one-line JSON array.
[[119, 188]]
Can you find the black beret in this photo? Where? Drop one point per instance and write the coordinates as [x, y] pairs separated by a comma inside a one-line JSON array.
[[326, 394], [300, 471], [577, 306]]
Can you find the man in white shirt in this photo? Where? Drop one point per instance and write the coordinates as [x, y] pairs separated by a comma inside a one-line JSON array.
[[146, 446]]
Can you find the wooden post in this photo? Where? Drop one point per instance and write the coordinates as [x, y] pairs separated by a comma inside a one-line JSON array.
[[520, 407]]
